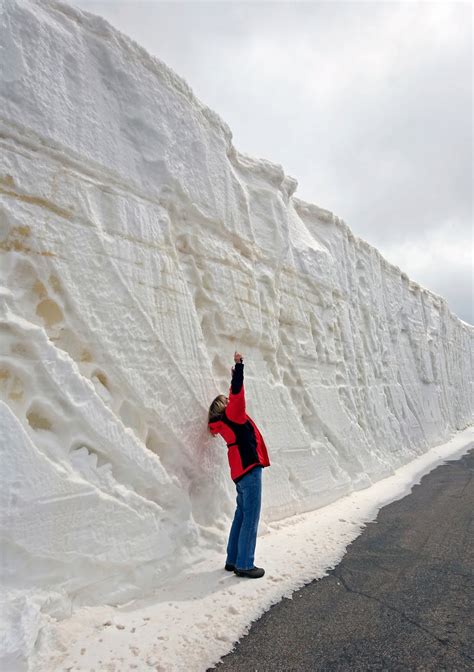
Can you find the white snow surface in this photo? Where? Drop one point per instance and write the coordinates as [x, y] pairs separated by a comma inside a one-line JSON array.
[[188, 624], [138, 249]]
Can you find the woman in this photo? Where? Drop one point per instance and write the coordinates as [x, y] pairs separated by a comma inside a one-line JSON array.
[[247, 455]]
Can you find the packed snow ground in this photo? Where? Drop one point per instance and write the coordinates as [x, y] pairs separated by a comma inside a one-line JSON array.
[[138, 249], [191, 622]]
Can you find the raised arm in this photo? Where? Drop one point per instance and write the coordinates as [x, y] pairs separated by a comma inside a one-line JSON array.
[[235, 409]]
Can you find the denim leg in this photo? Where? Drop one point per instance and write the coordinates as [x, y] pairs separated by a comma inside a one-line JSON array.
[[232, 544], [250, 486]]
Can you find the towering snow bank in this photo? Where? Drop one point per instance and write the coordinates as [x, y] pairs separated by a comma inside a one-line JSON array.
[[139, 248]]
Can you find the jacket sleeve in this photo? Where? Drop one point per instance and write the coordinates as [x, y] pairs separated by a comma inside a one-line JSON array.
[[235, 410]]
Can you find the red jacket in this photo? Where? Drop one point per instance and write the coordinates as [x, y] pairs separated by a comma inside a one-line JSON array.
[[246, 447]]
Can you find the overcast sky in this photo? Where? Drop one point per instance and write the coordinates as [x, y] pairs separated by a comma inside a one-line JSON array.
[[367, 104]]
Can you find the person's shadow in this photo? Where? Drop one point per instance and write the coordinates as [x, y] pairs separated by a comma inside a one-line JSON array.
[[189, 586]]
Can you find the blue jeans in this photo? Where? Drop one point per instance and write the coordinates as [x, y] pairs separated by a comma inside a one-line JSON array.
[[243, 533]]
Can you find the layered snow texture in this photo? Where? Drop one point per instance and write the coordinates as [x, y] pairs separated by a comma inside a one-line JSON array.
[[138, 250]]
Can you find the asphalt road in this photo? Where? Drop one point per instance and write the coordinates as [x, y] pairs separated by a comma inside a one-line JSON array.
[[401, 599]]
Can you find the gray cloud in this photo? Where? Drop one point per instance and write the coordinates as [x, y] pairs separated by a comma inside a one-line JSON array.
[[368, 105]]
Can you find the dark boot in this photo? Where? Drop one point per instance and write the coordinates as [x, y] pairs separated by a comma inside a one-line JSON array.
[[254, 573], [229, 568]]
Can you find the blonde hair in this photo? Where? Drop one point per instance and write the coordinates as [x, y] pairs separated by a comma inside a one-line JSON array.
[[217, 408]]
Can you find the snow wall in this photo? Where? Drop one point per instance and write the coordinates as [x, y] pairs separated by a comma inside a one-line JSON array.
[[138, 250]]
